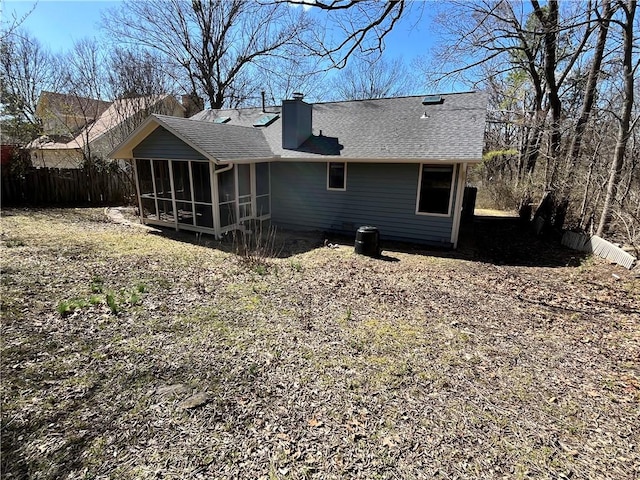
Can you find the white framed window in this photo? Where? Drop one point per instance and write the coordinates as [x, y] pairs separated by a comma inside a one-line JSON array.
[[337, 176], [435, 190]]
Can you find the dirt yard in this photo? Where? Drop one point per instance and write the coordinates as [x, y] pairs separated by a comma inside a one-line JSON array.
[[128, 354]]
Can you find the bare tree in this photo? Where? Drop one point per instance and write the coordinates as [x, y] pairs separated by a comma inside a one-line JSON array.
[[26, 69], [361, 26], [136, 72], [366, 77], [9, 24], [211, 45], [279, 78], [630, 66], [139, 87], [86, 89], [590, 91], [544, 70]]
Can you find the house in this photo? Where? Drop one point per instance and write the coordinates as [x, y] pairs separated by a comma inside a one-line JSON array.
[[64, 115], [397, 163], [77, 128]]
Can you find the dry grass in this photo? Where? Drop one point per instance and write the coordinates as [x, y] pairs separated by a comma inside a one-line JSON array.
[[324, 365]]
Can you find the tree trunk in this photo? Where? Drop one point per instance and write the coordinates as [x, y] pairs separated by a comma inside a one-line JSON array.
[[586, 196], [624, 119], [588, 100], [549, 22], [534, 139]]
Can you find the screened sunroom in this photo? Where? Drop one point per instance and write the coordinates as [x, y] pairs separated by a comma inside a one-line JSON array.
[[199, 176], [202, 196]]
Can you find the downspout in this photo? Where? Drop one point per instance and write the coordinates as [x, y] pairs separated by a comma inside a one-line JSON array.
[[225, 169]]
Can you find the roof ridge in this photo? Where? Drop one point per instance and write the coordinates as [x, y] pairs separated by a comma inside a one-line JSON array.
[[244, 127], [401, 97], [362, 100]]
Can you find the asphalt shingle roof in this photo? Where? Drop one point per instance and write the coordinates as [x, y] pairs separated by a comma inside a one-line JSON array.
[[220, 141], [116, 114], [392, 128], [64, 104]]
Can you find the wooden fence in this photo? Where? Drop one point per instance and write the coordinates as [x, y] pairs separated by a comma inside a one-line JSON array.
[[67, 186]]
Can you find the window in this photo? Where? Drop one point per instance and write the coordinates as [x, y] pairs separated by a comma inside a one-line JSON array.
[[435, 189], [336, 176]]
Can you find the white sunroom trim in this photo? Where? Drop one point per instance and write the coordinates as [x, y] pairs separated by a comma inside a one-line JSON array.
[[457, 214]]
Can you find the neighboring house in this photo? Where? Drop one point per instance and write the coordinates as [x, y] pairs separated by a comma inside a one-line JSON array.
[[63, 115], [97, 136], [398, 164]]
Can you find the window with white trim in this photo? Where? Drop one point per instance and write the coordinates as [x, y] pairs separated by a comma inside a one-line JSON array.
[[435, 190], [336, 176]]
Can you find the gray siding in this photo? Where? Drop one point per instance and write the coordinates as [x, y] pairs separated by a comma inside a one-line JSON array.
[[383, 195], [163, 144]]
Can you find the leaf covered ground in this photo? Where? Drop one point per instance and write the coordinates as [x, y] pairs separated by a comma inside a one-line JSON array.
[[128, 354]]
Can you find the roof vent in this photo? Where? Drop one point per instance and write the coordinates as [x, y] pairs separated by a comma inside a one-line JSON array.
[[266, 119], [298, 95], [221, 119], [432, 100]]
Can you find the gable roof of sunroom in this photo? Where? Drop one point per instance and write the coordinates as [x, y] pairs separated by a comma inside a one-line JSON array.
[[218, 143]]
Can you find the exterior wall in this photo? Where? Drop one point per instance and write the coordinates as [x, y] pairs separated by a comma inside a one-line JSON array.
[[163, 144], [382, 195]]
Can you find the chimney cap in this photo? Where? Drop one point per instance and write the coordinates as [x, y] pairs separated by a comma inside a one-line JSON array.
[[298, 95]]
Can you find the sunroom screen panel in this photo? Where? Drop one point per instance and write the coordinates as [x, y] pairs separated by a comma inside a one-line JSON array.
[[185, 212], [181, 182], [201, 182], [262, 178], [145, 178], [227, 214], [161, 174], [204, 216], [226, 187]]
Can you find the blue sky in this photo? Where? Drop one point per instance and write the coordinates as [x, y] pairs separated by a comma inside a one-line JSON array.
[[57, 24]]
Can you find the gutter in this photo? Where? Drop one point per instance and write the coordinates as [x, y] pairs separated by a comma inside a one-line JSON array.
[[225, 169]]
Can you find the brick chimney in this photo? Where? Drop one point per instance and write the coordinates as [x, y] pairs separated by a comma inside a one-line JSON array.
[[296, 121]]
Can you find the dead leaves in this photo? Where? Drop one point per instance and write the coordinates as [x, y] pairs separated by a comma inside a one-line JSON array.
[[315, 423], [197, 400], [343, 367]]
